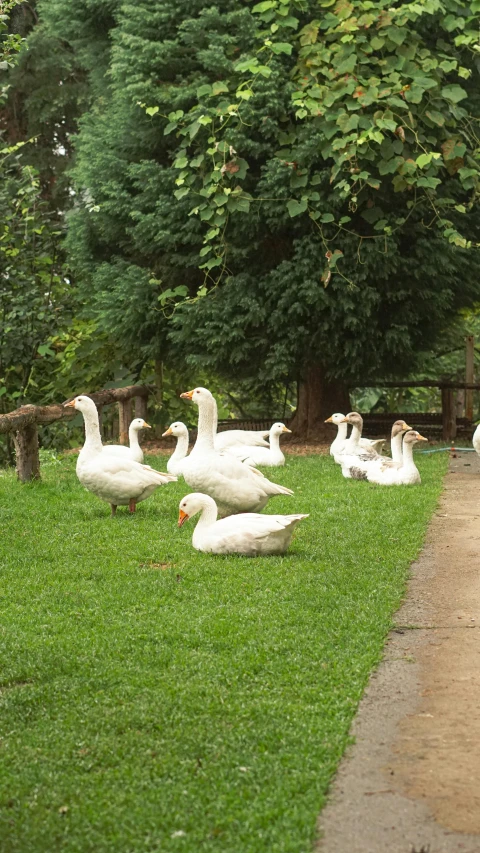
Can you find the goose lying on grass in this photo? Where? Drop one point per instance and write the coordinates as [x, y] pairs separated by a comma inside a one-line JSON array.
[[361, 466], [234, 486], [270, 456], [134, 451], [240, 438], [353, 452], [406, 474], [180, 432], [339, 443], [249, 533], [118, 480]]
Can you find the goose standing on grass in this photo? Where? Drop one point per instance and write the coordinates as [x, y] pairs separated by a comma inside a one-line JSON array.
[[249, 533], [359, 471], [234, 486], [339, 443], [392, 475], [116, 479], [240, 438], [180, 432], [134, 451], [270, 456]]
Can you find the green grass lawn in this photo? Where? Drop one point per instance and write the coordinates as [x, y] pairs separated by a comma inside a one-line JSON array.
[[156, 700]]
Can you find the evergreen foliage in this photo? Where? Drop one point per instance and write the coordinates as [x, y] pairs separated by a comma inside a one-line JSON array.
[[310, 165]]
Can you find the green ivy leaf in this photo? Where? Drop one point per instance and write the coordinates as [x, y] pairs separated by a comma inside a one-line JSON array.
[[454, 93], [295, 208]]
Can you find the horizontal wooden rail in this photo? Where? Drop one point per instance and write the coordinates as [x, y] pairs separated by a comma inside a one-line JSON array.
[[421, 383], [23, 422]]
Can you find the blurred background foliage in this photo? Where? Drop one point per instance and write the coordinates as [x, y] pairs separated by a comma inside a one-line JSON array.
[[99, 269]]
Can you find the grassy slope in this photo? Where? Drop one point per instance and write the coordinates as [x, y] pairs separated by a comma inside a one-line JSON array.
[[148, 690]]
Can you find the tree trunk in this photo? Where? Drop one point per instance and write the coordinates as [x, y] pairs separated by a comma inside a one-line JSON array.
[[26, 451], [318, 398], [158, 396]]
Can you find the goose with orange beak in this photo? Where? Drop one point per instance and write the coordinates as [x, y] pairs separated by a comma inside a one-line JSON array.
[[234, 486], [118, 480], [249, 534], [133, 451], [271, 456], [406, 474], [340, 442]]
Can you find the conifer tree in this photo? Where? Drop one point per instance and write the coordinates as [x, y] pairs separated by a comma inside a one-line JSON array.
[[226, 150]]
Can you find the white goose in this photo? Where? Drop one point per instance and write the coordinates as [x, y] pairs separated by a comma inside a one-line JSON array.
[[270, 456], [406, 474], [119, 481], [180, 432], [249, 533], [240, 438], [134, 451], [234, 486], [353, 452], [476, 439], [338, 444]]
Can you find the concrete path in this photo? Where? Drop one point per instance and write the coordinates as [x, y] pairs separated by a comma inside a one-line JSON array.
[[411, 781]]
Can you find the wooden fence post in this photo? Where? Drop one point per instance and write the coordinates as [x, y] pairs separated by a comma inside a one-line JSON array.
[[449, 418], [124, 417], [26, 452], [141, 404], [469, 371]]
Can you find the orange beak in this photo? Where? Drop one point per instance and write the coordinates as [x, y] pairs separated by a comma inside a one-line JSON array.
[[328, 421], [167, 432], [146, 426], [182, 517], [187, 395], [70, 405], [421, 437], [405, 426], [344, 420], [285, 429]]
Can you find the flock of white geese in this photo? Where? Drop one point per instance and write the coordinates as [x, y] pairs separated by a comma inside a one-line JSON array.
[[221, 468]]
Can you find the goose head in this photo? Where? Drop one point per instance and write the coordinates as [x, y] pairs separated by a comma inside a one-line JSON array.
[[278, 429], [354, 419], [83, 403], [337, 419], [398, 427], [177, 429], [198, 395], [193, 504], [138, 424], [412, 436]]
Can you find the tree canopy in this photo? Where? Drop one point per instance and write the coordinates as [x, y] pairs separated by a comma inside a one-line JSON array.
[[268, 188]]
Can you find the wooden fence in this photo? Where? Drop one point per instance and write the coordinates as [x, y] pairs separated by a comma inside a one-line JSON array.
[[446, 422], [24, 423]]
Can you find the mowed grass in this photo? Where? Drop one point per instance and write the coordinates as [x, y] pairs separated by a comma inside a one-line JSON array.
[[157, 700]]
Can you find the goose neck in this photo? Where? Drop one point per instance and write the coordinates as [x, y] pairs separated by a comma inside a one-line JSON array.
[[133, 438], [208, 516], [342, 431], [93, 440], [396, 447], [355, 436], [181, 448], [207, 425], [408, 456]]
